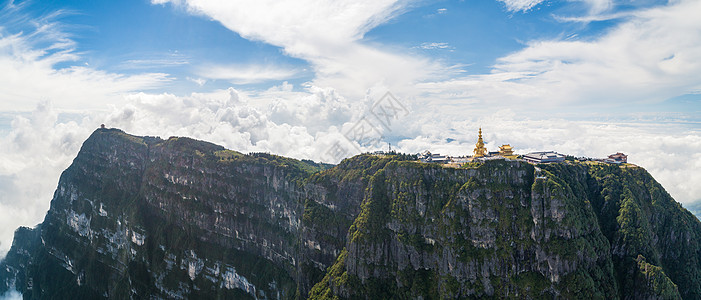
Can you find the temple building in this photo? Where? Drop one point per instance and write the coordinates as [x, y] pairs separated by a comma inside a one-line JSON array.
[[480, 150], [507, 151], [618, 158], [544, 157]]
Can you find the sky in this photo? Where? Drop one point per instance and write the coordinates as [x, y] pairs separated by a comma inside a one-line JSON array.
[[324, 80]]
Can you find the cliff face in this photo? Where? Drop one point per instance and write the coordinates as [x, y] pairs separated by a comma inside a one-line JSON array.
[[143, 217], [511, 230], [140, 217], [492, 230]]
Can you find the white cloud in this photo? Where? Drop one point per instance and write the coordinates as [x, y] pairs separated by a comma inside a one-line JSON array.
[[520, 5], [32, 157], [652, 56], [594, 6], [261, 121], [198, 81], [298, 25], [598, 6], [434, 45], [173, 61], [327, 34], [28, 76], [594, 17], [244, 74]]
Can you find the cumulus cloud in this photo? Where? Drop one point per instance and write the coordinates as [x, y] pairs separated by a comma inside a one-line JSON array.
[[32, 156], [265, 121]]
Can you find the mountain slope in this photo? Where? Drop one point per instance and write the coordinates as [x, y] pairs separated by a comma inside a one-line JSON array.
[[141, 217]]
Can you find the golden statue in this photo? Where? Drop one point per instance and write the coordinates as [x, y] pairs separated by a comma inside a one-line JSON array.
[[480, 150]]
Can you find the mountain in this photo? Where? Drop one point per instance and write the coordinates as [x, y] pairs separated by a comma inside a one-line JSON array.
[[142, 217]]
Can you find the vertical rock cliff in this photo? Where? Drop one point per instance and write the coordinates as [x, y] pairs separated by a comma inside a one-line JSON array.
[[142, 217]]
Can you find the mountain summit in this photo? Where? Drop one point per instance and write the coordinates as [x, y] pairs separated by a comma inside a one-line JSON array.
[[142, 217]]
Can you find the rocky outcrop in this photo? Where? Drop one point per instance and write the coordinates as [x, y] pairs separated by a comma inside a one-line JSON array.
[[141, 217]]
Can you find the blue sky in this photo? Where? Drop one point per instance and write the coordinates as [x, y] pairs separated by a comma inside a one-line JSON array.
[[194, 49], [582, 77], [133, 37], [137, 36]]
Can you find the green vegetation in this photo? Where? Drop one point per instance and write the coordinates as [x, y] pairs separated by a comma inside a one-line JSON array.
[[227, 155], [639, 218], [653, 279], [587, 210]]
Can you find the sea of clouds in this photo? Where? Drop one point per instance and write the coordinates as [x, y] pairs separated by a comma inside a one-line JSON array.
[[306, 124]]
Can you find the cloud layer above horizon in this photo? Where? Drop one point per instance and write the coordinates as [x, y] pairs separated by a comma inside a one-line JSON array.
[[305, 125]]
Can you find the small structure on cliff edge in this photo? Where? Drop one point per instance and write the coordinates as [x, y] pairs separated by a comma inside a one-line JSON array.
[[507, 151], [544, 157], [618, 157], [429, 157], [481, 152]]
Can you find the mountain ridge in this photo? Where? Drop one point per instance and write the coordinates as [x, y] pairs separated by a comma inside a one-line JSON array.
[[180, 218]]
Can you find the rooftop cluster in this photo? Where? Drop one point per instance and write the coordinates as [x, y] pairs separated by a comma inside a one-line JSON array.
[[506, 151]]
